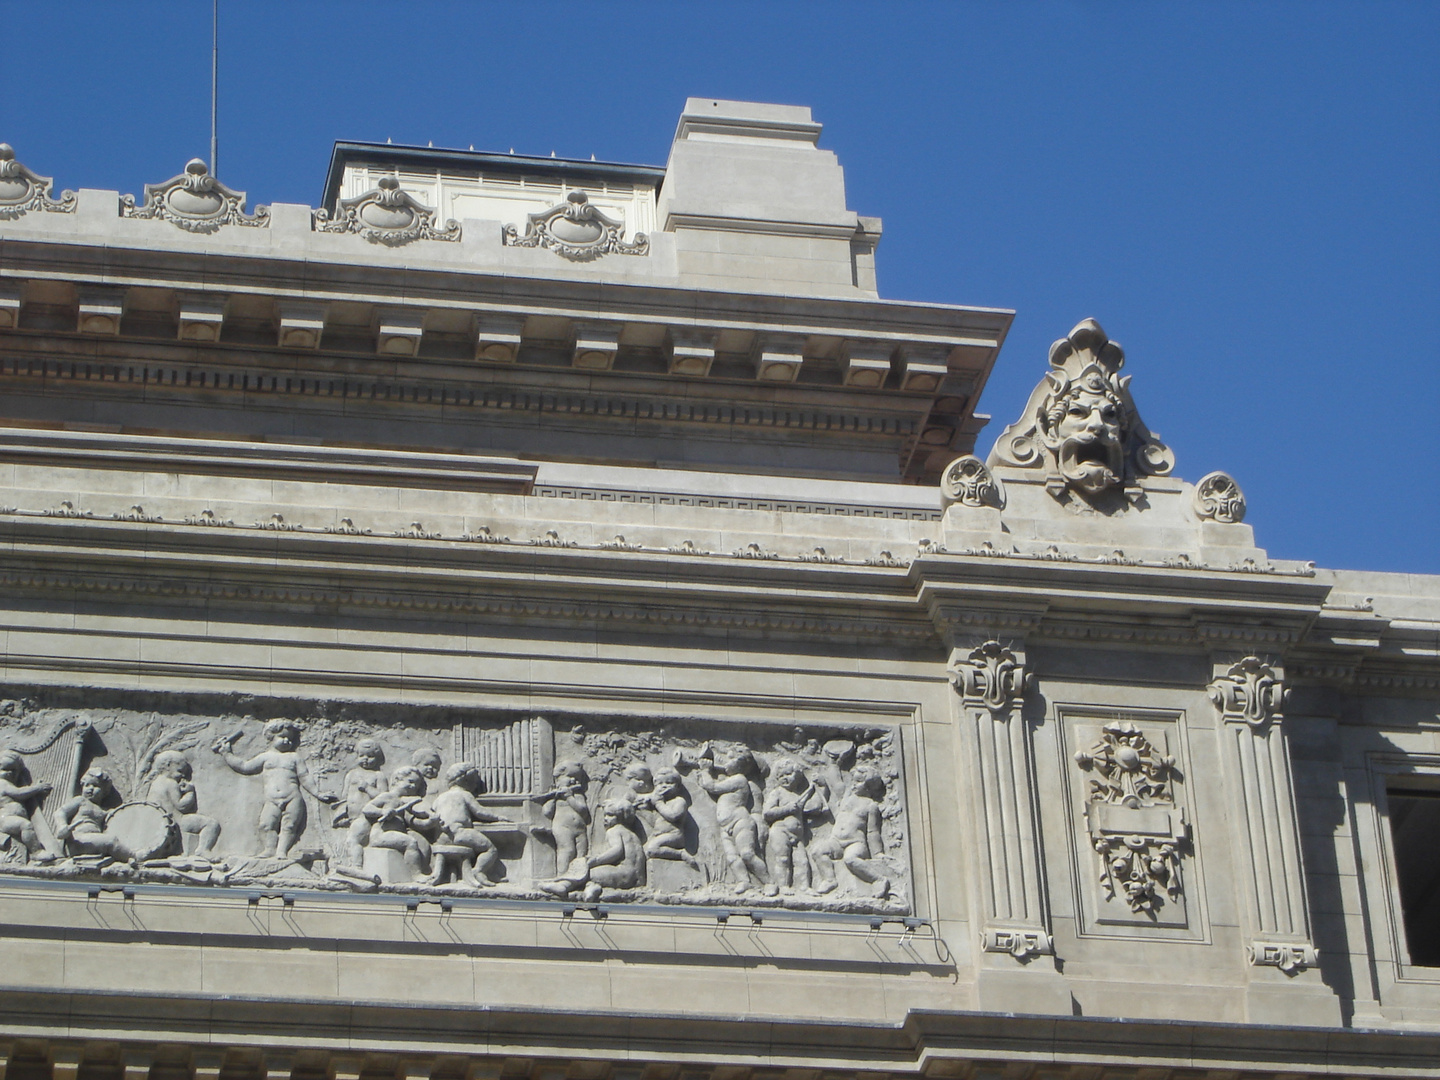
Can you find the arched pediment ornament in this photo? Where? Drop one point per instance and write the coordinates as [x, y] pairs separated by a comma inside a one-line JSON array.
[[578, 230], [195, 201], [386, 214], [969, 482], [1081, 426], [22, 190], [1219, 498]]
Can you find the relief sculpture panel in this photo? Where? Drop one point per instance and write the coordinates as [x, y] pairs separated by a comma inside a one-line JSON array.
[[428, 800], [1134, 851]]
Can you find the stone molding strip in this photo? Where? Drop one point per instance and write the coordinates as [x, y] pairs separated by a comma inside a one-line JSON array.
[[726, 502], [604, 1044]]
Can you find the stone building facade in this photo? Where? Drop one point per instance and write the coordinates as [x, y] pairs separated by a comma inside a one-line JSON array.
[[535, 619]]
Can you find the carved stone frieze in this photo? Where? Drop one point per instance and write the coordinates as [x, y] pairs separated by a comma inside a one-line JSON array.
[[386, 214], [1249, 691], [450, 802], [992, 677], [195, 201], [577, 230], [1081, 427], [1135, 827], [22, 190], [969, 482], [1219, 498]]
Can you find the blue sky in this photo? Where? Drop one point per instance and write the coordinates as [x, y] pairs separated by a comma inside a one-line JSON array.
[[1247, 196]]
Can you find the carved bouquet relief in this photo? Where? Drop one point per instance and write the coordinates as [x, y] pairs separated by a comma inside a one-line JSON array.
[[1135, 827], [491, 805]]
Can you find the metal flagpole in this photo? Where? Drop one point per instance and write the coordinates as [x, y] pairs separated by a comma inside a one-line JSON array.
[[214, 76]]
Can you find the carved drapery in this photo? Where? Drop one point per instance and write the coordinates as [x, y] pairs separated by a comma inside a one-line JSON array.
[[992, 682], [1249, 696]]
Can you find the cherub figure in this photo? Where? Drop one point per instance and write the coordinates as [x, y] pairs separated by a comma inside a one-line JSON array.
[[80, 823], [14, 812], [791, 802], [396, 818], [856, 838], [669, 805], [283, 814], [727, 780], [174, 790], [619, 865], [460, 811], [569, 813], [362, 783]]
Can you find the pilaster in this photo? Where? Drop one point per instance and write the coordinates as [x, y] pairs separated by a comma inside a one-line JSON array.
[[1249, 694]]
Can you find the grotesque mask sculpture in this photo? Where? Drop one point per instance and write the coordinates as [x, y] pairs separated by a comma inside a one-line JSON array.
[[1081, 426]]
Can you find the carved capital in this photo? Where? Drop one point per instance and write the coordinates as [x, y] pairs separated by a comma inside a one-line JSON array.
[[992, 677], [1021, 944], [1250, 692], [1289, 956]]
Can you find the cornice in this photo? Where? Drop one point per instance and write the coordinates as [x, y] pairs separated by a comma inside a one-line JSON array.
[[607, 1044]]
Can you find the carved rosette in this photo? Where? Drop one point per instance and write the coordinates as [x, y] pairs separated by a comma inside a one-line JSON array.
[[1135, 827], [1080, 426], [1250, 692], [969, 482], [22, 190], [991, 677], [578, 231], [386, 215], [195, 201]]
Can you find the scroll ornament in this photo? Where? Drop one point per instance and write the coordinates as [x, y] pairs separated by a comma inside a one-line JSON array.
[[577, 230], [196, 202], [1218, 498], [1135, 827], [969, 482], [386, 214], [22, 190], [1081, 427], [992, 677], [1249, 691]]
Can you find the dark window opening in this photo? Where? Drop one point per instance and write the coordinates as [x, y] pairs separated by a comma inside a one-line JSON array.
[[1415, 831]]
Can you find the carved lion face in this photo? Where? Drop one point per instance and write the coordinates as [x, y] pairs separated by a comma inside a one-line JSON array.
[[1086, 433]]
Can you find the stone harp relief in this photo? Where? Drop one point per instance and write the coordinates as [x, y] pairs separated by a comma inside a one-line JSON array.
[[1133, 823], [517, 806]]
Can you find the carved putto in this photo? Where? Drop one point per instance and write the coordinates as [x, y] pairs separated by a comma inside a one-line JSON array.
[[1081, 426], [1250, 691], [194, 201], [1218, 498], [386, 214], [992, 677], [969, 482], [578, 230], [22, 190], [513, 807], [1135, 828]]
